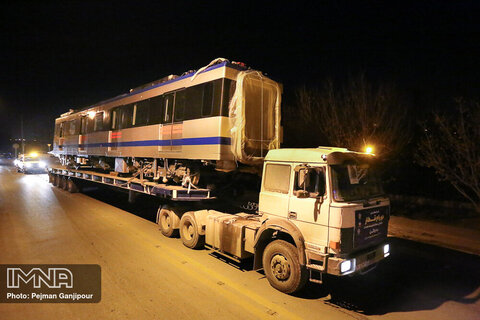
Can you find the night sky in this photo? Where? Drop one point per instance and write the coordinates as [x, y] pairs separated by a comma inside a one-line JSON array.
[[56, 56]]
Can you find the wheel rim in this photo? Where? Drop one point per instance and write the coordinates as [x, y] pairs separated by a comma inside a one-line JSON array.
[[188, 230], [280, 267], [166, 222]]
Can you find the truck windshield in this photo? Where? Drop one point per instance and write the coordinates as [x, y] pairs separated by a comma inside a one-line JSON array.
[[355, 182]]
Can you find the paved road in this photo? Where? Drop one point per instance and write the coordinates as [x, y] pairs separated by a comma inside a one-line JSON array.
[[148, 276]]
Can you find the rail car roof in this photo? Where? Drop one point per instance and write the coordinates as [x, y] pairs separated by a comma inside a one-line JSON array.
[[156, 84], [306, 155]]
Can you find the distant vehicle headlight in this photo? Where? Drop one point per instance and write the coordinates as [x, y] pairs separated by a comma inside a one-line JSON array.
[[28, 164], [42, 164]]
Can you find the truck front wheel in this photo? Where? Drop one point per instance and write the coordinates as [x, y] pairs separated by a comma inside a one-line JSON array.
[[282, 267]]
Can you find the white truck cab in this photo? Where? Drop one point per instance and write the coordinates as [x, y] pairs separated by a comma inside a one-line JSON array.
[[330, 201]]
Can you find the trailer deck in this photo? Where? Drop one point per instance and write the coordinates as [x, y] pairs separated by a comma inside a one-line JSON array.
[[176, 193]]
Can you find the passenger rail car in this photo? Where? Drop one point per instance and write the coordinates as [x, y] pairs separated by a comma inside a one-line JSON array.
[[218, 116]]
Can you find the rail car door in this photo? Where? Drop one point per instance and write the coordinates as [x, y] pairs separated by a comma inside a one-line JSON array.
[[171, 133], [82, 137]]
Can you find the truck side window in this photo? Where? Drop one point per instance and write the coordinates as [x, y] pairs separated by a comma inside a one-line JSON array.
[[277, 178], [312, 181]]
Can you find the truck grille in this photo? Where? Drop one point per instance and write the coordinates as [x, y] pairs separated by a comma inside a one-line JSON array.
[[371, 226]]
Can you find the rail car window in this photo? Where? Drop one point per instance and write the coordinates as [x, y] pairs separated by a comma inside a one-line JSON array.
[[83, 125], [98, 122], [72, 127], [180, 97], [193, 101], [167, 108], [126, 116], [115, 119], [156, 108], [207, 100], [228, 91], [142, 112], [61, 131]]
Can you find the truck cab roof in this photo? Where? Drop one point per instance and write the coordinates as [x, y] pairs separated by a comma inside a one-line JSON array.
[[309, 155]]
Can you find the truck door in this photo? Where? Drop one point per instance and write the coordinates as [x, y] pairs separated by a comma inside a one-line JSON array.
[[309, 205]]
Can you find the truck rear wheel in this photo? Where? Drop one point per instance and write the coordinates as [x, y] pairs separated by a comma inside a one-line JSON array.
[[282, 267], [166, 222], [189, 234]]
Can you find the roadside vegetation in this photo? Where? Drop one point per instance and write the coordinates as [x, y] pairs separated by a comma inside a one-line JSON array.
[[424, 154]]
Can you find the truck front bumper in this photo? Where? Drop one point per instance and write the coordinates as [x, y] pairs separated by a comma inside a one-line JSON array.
[[357, 262]]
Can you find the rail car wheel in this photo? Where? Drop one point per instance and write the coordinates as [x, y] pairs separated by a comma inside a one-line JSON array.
[[282, 267], [166, 221], [189, 234]]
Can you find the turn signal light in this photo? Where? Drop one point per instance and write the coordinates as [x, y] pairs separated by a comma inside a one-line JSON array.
[[335, 245]]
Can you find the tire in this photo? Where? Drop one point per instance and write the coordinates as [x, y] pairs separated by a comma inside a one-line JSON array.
[[72, 186], [282, 267], [63, 182], [57, 181], [166, 222], [189, 234]]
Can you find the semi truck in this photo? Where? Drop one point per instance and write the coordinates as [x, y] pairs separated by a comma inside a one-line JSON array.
[[187, 139], [320, 211]]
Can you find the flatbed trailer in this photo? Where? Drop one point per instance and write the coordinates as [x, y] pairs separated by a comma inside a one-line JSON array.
[[64, 176]]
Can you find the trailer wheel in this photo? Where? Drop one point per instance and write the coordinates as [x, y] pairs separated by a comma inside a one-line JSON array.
[[72, 186], [189, 232], [166, 222], [282, 267], [59, 181], [64, 185], [55, 180]]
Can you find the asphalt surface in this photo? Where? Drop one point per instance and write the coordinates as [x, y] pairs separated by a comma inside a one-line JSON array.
[[148, 276]]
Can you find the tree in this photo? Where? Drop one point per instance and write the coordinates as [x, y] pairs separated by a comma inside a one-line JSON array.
[[357, 115], [451, 146]]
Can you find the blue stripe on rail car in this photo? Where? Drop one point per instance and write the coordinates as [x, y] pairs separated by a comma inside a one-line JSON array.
[[149, 143]]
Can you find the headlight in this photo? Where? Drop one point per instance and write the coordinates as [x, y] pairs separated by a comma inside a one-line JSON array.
[[347, 266], [386, 250], [28, 164], [42, 164], [15, 162]]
